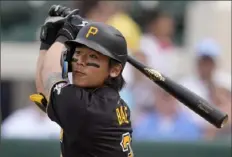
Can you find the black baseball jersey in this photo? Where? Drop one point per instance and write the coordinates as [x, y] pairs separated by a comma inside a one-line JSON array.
[[95, 123]]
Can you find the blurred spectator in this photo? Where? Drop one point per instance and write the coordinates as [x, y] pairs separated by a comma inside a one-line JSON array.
[[160, 30], [29, 123], [158, 34], [210, 84], [98, 11], [166, 121], [222, 98], [126, 25], [114, 13], [157, 42], [138, 85], [201, 82]]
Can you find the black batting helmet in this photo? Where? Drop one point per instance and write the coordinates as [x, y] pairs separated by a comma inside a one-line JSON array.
[[102, 38]]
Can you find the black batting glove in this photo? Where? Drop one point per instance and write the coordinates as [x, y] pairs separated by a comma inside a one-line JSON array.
[[49, 31], [71, 27], [53, 23]]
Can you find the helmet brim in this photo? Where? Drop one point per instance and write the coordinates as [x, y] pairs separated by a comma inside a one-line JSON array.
[[92, 45]]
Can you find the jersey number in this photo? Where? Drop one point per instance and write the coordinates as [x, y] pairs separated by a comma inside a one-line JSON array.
[[126, 144]]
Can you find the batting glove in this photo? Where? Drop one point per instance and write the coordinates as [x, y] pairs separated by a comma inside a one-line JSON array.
[[71, 27], [52, 25], [40, 100]]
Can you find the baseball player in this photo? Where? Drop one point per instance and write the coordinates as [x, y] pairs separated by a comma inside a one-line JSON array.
[[95, 121]]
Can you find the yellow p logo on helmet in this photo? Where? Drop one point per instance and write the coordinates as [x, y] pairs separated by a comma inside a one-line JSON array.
[[92, 30]]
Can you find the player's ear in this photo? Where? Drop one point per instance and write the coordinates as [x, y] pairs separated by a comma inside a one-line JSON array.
[[115, 70]]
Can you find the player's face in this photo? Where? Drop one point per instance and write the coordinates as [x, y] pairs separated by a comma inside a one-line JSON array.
[[90, 69]]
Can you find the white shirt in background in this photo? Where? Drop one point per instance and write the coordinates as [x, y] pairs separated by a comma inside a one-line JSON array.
[[27, 123]]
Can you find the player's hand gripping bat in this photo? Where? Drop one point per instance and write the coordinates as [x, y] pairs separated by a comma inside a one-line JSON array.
[[200, 106]]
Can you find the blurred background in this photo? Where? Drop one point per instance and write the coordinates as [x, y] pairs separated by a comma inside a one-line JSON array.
[[188, 41]]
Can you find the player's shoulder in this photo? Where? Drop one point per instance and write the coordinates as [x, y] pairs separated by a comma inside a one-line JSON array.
[[105, 92], [104, 95], [108, 95], [106, 99], [65, 92]]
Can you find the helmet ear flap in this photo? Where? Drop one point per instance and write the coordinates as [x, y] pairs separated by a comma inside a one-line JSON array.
[[66, 59], [64, 63], [65, 70]]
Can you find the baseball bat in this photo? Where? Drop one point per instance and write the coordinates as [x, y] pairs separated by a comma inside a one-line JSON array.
[[200, 106], [194, 102]]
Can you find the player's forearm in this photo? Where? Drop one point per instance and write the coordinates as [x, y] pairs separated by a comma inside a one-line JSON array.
[[39, 66], [51, 71]]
